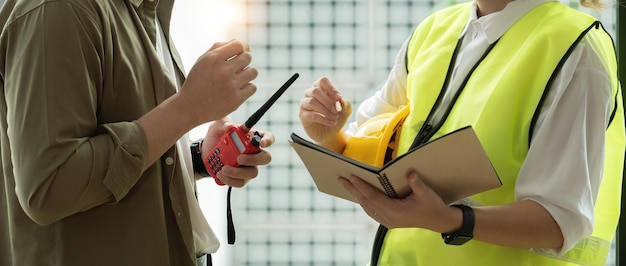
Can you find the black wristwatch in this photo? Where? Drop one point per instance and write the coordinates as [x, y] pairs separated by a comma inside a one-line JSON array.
[[466, 232], [196, 159]]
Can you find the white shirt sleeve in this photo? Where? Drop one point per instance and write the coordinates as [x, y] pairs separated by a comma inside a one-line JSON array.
[[389, 98], [565, 162]]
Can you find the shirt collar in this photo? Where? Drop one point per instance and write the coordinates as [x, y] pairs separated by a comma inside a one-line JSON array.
[[496, 24], [137, 3]]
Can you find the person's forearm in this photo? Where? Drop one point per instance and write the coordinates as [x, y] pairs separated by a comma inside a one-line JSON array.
[[164, 125], [524, 224]]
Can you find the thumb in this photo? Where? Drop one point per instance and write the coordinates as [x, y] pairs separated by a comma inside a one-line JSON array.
[[219, 126], [346, 111], [225, 122], [416, 183], [347, 107]]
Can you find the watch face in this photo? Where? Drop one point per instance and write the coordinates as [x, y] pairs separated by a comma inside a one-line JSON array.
[[456, 239]]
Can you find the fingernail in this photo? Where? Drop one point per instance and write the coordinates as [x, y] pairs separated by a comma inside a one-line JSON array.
[[338, 106]]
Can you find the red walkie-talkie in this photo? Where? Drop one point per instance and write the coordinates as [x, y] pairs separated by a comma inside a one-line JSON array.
[[239, 139]]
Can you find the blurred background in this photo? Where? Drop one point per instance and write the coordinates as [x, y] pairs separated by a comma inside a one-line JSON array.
[[280, 218]]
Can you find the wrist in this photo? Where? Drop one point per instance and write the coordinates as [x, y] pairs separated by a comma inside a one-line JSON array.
[[185, 109], [186, 113], [466, 232], [452, 220]]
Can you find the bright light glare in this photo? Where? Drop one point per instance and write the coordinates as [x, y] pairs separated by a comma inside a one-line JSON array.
[[197, 24], [226, 14]]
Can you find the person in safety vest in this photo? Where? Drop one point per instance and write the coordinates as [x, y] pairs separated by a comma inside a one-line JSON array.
[[538, 82]]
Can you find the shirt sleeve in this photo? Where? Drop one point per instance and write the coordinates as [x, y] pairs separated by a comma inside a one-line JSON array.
[[389, 98], [564, 165], [65, 161]]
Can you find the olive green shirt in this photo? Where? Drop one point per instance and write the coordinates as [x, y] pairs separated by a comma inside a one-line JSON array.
[[75, 77]]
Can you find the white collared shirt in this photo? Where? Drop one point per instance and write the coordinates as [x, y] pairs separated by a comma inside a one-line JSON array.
[[564, 164]]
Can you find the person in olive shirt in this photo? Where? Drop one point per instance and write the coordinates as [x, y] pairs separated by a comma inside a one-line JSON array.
[[96, 164]]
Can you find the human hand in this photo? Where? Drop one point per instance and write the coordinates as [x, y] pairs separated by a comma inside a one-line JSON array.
[[423, 208], [248, 163], [319, 114], [219, 82]]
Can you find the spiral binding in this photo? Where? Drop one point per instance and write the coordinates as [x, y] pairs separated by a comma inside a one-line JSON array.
[[382, 178]]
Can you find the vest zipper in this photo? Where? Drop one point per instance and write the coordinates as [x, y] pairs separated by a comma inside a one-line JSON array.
[[427, 130]]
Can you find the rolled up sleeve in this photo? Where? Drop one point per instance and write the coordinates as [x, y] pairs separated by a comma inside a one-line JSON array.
[[127, 158]]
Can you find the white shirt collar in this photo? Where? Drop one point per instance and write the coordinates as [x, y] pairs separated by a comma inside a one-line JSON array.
[[496, 24]]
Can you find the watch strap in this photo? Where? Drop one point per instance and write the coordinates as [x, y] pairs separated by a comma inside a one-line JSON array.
[[466, 232], [196, 159]]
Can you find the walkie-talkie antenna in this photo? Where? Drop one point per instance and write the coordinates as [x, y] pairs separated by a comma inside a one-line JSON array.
[[259, 113]]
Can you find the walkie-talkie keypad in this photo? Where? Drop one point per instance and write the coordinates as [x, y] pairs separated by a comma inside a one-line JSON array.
[[215, 162]]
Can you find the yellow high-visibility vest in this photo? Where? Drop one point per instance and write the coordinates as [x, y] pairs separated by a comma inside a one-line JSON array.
[[500, 101]]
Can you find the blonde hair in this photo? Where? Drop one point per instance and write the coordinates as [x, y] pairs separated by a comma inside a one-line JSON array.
[[593, 4]]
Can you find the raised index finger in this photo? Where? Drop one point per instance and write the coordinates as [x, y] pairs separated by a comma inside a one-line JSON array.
[[329, 89]]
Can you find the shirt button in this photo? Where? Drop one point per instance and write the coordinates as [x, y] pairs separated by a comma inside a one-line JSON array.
[[169, 160]]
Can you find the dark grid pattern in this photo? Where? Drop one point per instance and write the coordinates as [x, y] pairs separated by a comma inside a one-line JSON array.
[[301, 247], [312, 37]]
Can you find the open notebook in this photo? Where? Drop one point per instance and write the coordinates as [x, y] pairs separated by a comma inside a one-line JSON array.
[[454, 165]]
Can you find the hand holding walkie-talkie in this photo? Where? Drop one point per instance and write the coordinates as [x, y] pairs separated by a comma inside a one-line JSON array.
[[239, 139]]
